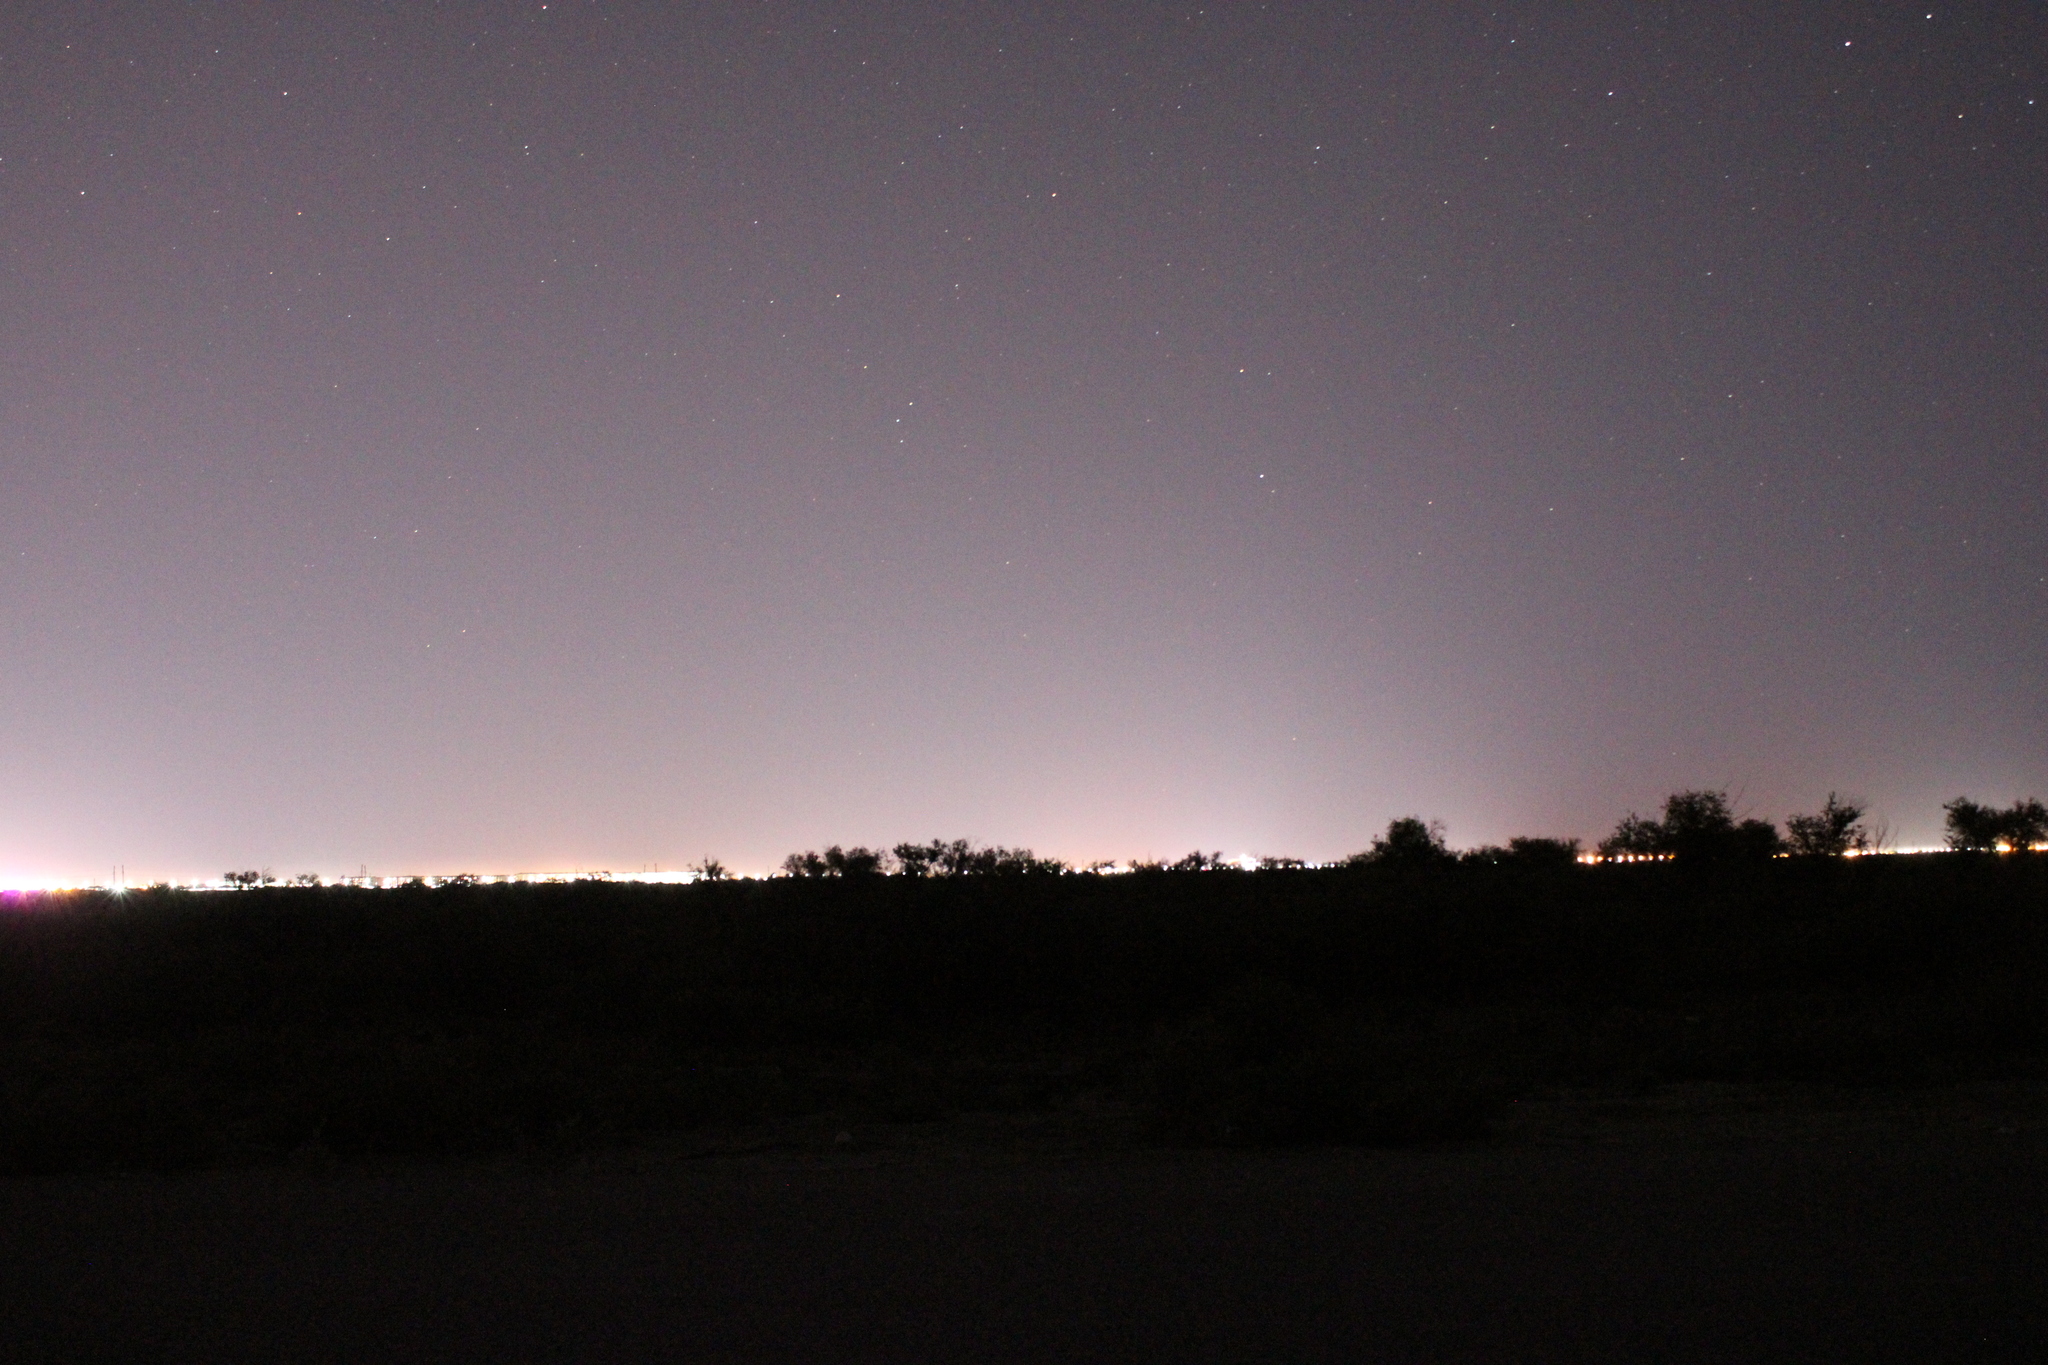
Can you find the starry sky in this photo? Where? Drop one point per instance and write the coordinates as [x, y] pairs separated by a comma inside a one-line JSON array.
[[501, 436]]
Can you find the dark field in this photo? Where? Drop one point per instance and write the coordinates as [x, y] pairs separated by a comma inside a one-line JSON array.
[[1365, 1006], [1912, 1240]]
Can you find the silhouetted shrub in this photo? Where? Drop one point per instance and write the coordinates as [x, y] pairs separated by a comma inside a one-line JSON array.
[[836, 862], [1697, 828], [170, 1028], [1543, 852], [960, 858], [1836, 830], [1409, 842], [1634, 837], [1975, 828], [1526, 853]]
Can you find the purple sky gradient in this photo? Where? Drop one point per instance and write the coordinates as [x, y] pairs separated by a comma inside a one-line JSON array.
[[491, 437]]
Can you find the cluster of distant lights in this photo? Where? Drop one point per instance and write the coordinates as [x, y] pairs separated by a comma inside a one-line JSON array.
[[1247, 863], [375, 883], [10, 887], [1592, 858]]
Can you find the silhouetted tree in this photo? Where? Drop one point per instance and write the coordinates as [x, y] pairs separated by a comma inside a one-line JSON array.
[[711, 870], [1525, 852], [1199, 861], [1972, 827], [1697, 827], [1543, 852], [806, 864], [1836, 830], [1697, 824], [1408, 842], [855, 862], [960, 858], [835, 862], [939, 858], [1634, 837], [1756, 839], [2026, 824]]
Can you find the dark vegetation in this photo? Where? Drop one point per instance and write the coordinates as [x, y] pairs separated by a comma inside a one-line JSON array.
[[1699, 827], [939, 858], [1404, 997], [1980, 829]]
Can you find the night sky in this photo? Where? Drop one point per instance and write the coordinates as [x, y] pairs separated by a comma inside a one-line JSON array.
[[494, 437]]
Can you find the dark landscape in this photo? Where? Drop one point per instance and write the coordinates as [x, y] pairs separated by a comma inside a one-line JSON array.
[[1458, 1110], [449, 449], [1388, 1003]]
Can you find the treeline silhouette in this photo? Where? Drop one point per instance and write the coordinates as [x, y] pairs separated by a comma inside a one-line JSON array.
[[1697, 826], [939, 858], [1405, 996], [1974, 828]]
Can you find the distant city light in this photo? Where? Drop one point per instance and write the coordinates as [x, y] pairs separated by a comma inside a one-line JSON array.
[[16, 885]]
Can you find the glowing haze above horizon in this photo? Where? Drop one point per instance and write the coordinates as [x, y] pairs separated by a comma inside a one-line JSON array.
[[484, 437]]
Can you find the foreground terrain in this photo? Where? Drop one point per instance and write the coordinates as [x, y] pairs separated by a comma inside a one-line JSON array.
[[1688, 1225], [1204, 1008], [1786, 1112]]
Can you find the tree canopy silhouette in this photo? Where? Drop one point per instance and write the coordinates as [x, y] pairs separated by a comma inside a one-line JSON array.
[[1975, 828], [938, 858], [835, 862], [960, 858], [1525, 852], [1697, 827], [1837, 829], [1410, 841]]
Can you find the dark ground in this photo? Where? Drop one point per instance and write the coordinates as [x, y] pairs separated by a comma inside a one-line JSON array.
[[1686, 1226], [1382, 1006], [1795, 1111]]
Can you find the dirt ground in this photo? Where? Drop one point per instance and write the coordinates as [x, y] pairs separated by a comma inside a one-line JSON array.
[[1687, 1225]]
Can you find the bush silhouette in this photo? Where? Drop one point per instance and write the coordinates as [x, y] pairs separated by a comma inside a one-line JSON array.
[[1634, 837], [1836, 830], [171, 1028], [1409, 842], [939, 858], [1975, 828], [1525, 852], [1697, 827], [835, 862], [960, 858]]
